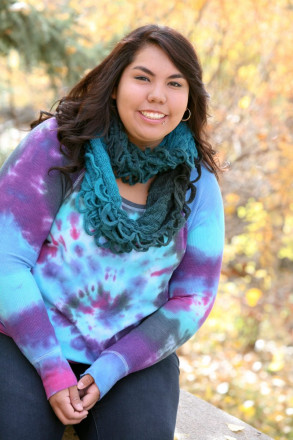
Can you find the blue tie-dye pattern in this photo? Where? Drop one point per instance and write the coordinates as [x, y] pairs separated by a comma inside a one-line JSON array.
[[61, 297], [99, 294], [21, 303]]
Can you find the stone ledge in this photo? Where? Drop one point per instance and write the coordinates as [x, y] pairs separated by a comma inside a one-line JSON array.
[[199, 420]]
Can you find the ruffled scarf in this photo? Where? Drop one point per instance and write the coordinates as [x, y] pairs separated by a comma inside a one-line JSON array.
[[166, 210]]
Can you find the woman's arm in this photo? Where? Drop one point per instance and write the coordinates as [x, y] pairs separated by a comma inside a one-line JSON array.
[[192, 291], [30, 198]]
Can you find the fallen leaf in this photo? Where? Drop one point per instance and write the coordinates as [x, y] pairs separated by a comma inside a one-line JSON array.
[[228, 437], [235, 428]]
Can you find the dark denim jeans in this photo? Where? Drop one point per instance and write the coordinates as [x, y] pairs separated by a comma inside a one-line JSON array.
[[142, 406]]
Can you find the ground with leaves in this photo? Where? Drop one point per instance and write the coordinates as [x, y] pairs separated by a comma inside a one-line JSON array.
[[241, 360]]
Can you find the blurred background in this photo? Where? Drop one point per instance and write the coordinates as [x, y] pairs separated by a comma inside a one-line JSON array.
[[241, 360]]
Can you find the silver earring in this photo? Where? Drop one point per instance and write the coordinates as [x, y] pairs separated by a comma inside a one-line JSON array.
[[189, 115]]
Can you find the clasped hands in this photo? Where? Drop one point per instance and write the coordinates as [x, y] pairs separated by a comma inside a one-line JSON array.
[[72, 404]]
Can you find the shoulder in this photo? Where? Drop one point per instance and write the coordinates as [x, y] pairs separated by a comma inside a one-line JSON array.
[[207, 178], [40, 147], [44, 135], [49, 125], [207, 186], [208, 199], [31, 160]]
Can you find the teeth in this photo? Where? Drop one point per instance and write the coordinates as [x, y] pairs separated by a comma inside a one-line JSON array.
[[152, 115]]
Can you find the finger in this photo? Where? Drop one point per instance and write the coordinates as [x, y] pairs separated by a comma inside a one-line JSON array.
[[73, 416], [91, 397], [68, 416], [89, 401], [85, 381], [75, 399], [82, 393], [74, 420], [64, 409]]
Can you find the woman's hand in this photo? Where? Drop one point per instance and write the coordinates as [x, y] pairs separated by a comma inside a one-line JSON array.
[[68, 407], [88, 391]]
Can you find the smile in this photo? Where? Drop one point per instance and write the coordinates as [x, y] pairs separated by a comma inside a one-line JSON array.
[[153, 115]]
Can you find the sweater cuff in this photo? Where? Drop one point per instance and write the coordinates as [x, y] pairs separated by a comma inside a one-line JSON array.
[[55, 373], [107, 370]]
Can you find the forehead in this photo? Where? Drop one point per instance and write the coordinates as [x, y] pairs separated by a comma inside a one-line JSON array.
[[153, 55]]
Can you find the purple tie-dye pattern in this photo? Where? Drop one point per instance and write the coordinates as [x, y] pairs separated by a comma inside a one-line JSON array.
[[28, 166], [118, 313], [30, 336], [163, 332], [205, 269]]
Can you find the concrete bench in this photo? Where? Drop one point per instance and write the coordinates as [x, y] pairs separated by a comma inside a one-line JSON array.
[[198, 420]]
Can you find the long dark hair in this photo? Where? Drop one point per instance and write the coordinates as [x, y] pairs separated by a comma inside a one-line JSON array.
[[88, 108]]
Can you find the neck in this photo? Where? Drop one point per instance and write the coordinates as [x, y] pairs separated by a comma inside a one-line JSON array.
[[137, 193]]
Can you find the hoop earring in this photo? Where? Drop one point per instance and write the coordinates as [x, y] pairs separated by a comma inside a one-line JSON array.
[[188, 117]]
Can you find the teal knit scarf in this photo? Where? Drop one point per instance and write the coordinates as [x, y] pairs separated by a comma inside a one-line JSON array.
[[166, 210]]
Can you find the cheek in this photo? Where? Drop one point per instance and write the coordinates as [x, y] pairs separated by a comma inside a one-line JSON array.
[[125, 100], [181, 106], [181, 101], [186, 99]]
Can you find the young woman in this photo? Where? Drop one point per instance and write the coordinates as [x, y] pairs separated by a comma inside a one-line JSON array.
[[111, 238]]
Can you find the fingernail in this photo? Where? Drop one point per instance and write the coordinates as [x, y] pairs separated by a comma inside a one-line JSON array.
[[79, 406], [80, 385]]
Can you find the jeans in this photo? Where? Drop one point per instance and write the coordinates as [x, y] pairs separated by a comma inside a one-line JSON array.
[[141, 406]]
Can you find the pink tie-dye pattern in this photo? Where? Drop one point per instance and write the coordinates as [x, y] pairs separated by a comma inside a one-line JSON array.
[[157, 273], [74, 232]]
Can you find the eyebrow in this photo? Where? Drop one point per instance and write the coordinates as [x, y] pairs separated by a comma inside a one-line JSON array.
[[149, 72]]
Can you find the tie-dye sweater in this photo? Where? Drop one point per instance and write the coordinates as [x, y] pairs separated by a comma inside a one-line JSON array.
[[64, 299]]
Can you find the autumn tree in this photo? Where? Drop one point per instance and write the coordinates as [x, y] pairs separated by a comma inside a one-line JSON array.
[[245, 48], [36, 37]]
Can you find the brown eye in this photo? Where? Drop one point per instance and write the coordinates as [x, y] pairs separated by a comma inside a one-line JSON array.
[[142, 78], [175, 84]]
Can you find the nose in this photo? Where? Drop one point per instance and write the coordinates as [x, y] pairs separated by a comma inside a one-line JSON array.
[[157, 94]]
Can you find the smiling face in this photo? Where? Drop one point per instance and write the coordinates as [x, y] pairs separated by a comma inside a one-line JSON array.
[[151, 97]]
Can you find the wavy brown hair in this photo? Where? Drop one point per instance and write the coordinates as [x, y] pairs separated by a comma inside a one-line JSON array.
[[88, 108]]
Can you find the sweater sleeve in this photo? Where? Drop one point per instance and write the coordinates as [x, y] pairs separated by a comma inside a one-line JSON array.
[[192, 290], [30, 199]]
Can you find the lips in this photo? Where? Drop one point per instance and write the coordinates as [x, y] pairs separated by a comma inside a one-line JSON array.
[[153, 115]]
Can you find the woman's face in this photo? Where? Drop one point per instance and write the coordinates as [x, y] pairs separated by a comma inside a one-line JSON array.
[[151, 97]]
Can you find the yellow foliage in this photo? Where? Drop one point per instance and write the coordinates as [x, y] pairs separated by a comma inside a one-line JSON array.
[[233, 54], [232, 198], [252, 296], [250, 267], [245, 244], [71, 49], [277, 363], [271, 165], [13, 59], [248, 408], [61, 70], [244, 102], [247, 72], [229, 210]]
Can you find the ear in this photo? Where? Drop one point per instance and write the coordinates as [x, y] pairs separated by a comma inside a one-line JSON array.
[[114, 93]]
